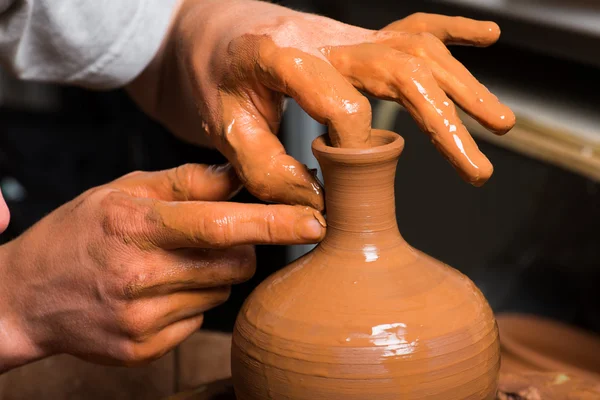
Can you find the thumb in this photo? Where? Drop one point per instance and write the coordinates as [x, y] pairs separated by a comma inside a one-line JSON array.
[[186, 182]]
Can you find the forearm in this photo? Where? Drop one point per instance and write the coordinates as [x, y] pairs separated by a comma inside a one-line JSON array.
[[163, 90], [16, 348], [168, 89], [95, 44]]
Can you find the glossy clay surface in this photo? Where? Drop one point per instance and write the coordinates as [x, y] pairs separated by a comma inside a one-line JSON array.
[[365, 315]]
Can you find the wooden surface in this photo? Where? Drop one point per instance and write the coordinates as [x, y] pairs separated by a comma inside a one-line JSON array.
[[219, 390], [521, 386], [200, 370], [202, 358]]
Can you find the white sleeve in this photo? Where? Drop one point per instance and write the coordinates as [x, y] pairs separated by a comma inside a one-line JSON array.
[[99, 44]]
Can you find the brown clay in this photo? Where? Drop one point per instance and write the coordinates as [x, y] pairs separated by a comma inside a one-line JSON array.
[[365, 315], [531, 343], [227, 65]]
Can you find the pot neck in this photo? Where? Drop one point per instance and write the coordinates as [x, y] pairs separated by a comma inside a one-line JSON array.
[[359, 194]]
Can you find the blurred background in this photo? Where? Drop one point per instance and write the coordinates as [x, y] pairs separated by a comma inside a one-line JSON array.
[[529, 238]]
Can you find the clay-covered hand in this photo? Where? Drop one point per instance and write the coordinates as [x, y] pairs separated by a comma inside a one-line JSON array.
[[227, 64], [124, 272]]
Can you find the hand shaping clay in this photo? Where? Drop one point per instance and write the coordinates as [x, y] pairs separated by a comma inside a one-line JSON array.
[[365, 315]]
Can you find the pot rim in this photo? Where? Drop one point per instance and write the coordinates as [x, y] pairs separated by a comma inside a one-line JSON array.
[[387, 146]]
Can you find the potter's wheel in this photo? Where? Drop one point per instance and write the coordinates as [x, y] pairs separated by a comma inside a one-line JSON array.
[[520, 386], [533, 349], [531, 343]]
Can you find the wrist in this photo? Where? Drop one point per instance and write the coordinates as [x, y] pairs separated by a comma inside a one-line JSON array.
[[16, 346], [163, 90], [145, 88]]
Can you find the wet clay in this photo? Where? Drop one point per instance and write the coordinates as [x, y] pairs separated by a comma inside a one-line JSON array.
[[530, 343], [259, 52], [365, 315]]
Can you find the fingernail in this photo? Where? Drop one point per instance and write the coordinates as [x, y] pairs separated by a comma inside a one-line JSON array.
[[320, 218], [310, 228]]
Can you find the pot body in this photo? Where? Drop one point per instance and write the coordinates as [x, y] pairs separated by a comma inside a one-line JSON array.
[[401, 327], [365, 315]]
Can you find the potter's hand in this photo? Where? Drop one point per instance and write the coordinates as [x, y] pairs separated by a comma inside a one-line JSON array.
[[226, 65], [124, 272]]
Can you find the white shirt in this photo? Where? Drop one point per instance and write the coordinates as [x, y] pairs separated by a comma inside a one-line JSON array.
[[100, 44]]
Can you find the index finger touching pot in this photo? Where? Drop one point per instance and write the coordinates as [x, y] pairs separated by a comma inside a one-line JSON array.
[[175, 225]]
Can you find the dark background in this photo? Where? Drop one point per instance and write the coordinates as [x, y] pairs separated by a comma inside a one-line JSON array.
[[528, 238]]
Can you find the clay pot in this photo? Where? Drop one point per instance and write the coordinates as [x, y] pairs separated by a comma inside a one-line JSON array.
[[531, 343], [365, 315]]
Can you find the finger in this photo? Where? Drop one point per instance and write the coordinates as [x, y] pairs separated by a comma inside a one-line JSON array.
[[391, 75], [186, 182], [320, 90], [177, 306], [457, 81], [450, 30], [261, 161], [174, 225], [192, 269], [164, 341]]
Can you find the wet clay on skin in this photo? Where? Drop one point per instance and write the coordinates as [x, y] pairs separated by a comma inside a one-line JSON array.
[[268, 51], [365, 315]]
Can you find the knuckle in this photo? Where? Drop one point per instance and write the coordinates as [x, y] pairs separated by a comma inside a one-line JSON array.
[[427, 41], [244, 266], [281, 61], [135, 323], [126, 220], [135, 354], [217, 232], [132, 174], [220, 296], [418, 15], [134, 284], [117, 210], [381, 90], [419, 21], [256, 182], [271, 227], [359, 107], [288, 27], [426, 37], [413, 64], [409, 67], [183, 179]]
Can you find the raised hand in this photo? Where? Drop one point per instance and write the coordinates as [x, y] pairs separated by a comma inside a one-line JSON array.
[[227, 64]]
